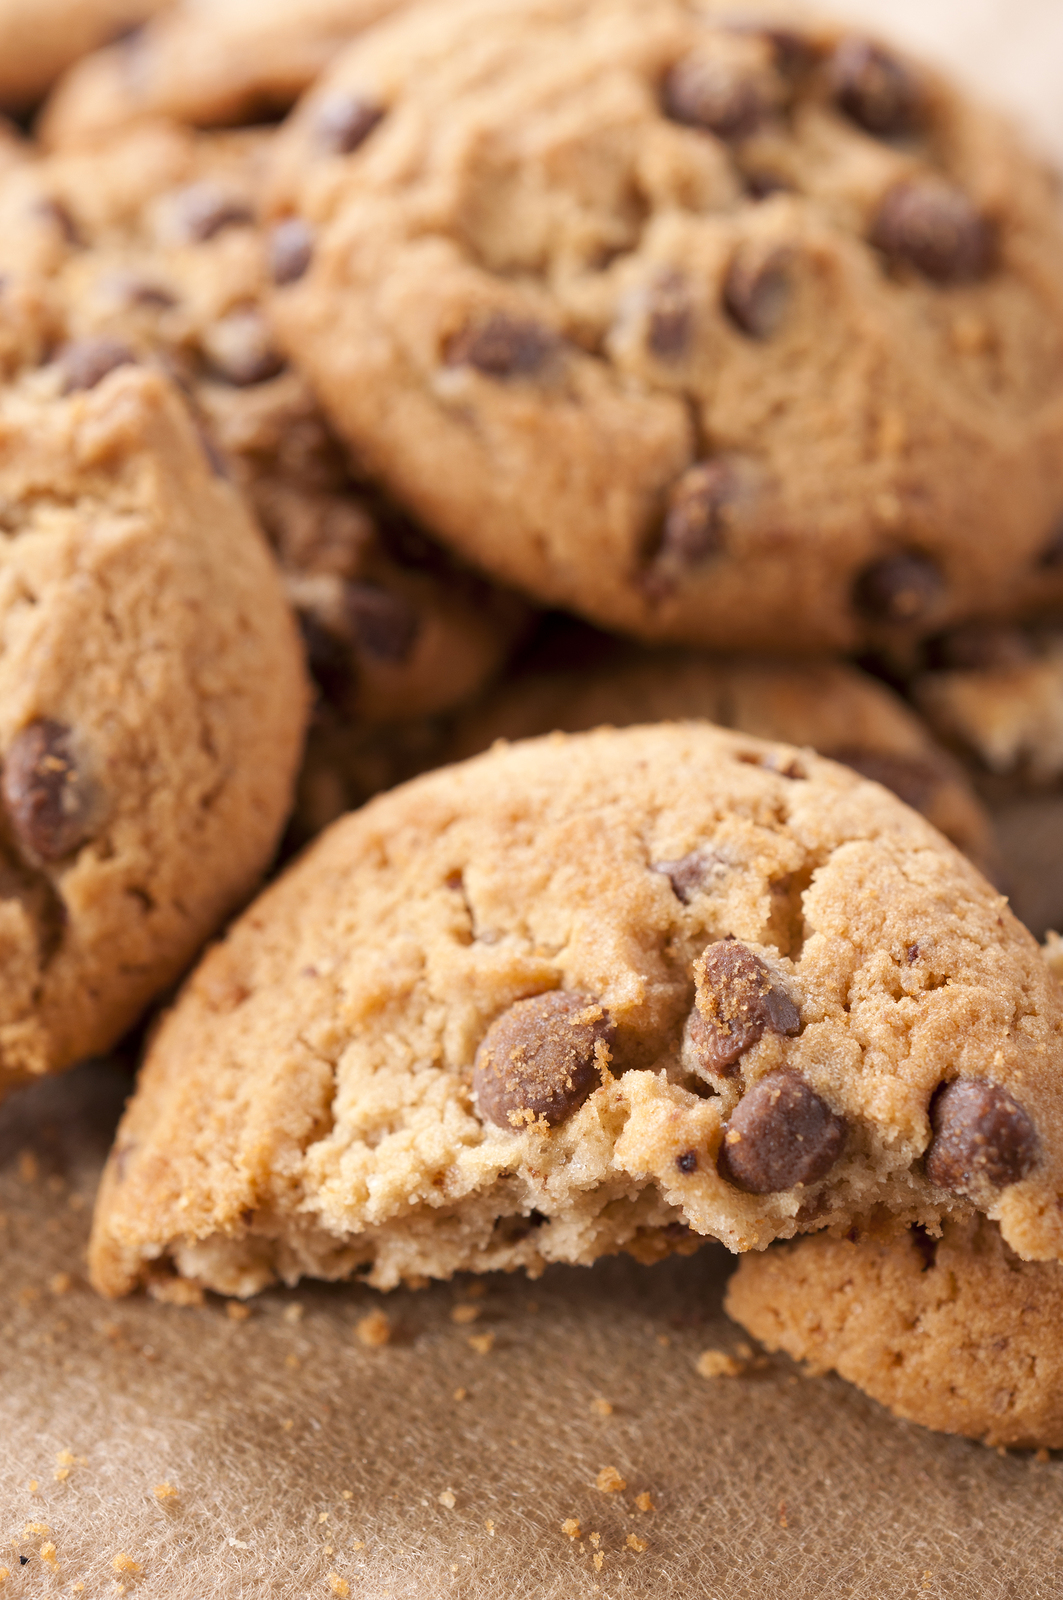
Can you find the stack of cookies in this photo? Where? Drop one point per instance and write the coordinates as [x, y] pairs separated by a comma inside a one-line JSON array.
[[588, 476]]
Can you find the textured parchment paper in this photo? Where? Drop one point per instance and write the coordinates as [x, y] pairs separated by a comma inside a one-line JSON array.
[[276, 1454]]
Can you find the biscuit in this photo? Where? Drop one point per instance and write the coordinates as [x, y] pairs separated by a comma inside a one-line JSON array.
[[713, 333], [39, 39], [152, 707], [954, 1332], [614, 990]]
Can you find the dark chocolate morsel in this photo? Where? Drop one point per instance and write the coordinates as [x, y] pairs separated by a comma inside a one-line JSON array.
[[695, 522], [384, 625], [86, 362], [718, 96], [670, 316], [328, 658], [540, 1059], [502, 346], [780, 1134], [44, 793], [344, 121], [690, 873], [932, 226], [688, 1161], [291, 245], [756, 291], [737, 1003], [899, 589], [874, 89], [981, 1136], [204, 209], [240, 348]]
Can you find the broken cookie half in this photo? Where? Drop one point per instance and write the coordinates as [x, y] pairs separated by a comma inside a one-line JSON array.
[[618, 990]]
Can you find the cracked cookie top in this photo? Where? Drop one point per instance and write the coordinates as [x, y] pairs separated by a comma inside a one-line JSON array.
[[612, 990], [713, 331]]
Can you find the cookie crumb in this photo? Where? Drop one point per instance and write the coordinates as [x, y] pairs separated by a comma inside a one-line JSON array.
[[464, 1314], [595, 1539], [288, 1425], [322, 1516], [644, 1501], [489, 1524], [373, 1330], [599, 1562], [633, 1542], [33, 1486], [31, 1528], [482, 1343], [293, 1313], [609, 1481], [48, 1556], [61, 1283], [339, 1585], [571, 1527], [176, 1292], [1042, 1456], [601, 1408], [292, 1361], [125, 1563], [236, 1311], [357, 1544], [348, 1494], [164, 1491], [461, 1394], [783, 1523], [664, 1340], [448, 1499], [61, 1474], [717, 1364]]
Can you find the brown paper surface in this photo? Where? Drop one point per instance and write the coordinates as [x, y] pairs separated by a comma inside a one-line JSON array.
[[303, 1460]]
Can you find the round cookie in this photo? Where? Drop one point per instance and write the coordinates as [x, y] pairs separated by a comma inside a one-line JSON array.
[[152, 707], [712, 332], [836, 709], [148, 245], [954, 1332], [211, 63], [39, 39], [786, 1003]]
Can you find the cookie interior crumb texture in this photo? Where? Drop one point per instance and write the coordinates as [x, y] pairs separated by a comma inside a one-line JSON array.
[[778, 991]]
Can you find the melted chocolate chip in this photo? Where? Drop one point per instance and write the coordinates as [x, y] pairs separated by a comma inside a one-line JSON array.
[[781, 1134], [291, 245], [932, 226], [44, 793], [899, 589], [737, 1003], [503, 346], [86, 362], [756, 291], [539, 1059], [344, 121], [670, 316], [911, 779], [717, 96], [694, 524], [385, 625], [203, 209], [690, 873], [240, 348], [874, 89], [688, 1161], [982, 1137]]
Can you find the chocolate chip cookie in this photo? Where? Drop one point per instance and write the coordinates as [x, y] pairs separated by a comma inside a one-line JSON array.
[[152, 706], [613, 990], [836, 709], [955, 1332], [708, 330], [39, 39]]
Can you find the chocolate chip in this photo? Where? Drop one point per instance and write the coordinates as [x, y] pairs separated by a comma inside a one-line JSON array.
[[385, 625], [874, 89], [780, 1134], [240, 348], [44, 793], [982, 647], [203, 209], [1052, 554], [328, 658], [86, 362], [291, 245], [756, 291], [344, 121], [688, 1161], [694, 524], [502, 346], [690, 873], [911, 955], [932, 226], [719, 96], [911, 779], [926, 1246], [761, 182], [670, 316], [737, 1003], [982, 1137], [129, 290], [540, 1059], [899, 589]]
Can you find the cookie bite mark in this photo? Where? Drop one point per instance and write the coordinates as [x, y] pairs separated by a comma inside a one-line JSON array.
[[737, 1001], [781, 1134], [875, 90], [540, 1060], [503, 346], [932, 226], [982, 1141], [48, 799], [901, 589], [758, 289], [344, 121], [86, 362]]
